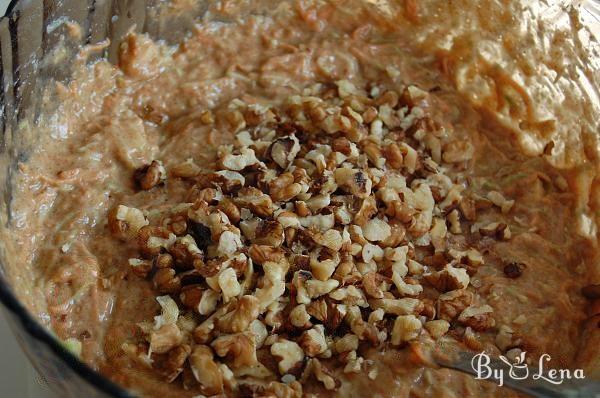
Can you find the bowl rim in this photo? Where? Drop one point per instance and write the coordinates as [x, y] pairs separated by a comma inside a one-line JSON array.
[[40, 333]]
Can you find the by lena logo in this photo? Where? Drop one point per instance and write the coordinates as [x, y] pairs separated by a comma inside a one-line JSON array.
[[520, 370]]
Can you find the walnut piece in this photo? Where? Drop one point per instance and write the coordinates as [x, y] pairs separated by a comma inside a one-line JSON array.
[[478, 317], [451, 304], [246, 310], [240, 347], [406, 328], [290, 354], [149, 176], [313, 341], [206, 371]]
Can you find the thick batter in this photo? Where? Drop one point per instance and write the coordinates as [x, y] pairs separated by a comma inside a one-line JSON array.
[[302, 202]]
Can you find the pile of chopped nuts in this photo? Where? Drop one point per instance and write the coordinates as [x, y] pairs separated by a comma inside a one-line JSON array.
[[329, 227]]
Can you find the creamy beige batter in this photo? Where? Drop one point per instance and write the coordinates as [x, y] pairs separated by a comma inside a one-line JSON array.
[[173, 104]]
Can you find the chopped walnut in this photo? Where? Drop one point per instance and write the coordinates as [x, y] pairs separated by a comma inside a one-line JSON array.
[[228, 283], [322, 374], [313, 341], [356, 182], [450, 278], [316, 288], [451, 304], [406, 328], [206, 371], [229, 243], [322, 269], [253, 199], [246, 158], [283, 151], [165, 338], [283, 188], [166, 281], [499, 200], [263, 253], [497, 230], [354, 363], [331, 239], [151, 175], [187, 169], [290, 355], [240, 347], [328, 215], [321, 222], [125, 222], [347, 343], [376, 230], [246, 310], [299, 317], [458, 151], [269, 233], [208, 302], [175, 362], [403, 306], [363, 330], [372, 283], [437, 328], [140, 267], [477, 317], [259, 330]]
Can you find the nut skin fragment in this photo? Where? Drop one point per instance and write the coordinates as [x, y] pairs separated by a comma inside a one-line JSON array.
[[514, 270], [591, 292], [206, 371]]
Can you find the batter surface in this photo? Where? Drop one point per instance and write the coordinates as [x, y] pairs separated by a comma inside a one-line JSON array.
[[302, 202]]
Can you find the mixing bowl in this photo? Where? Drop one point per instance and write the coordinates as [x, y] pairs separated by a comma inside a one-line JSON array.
[[31, 32]]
